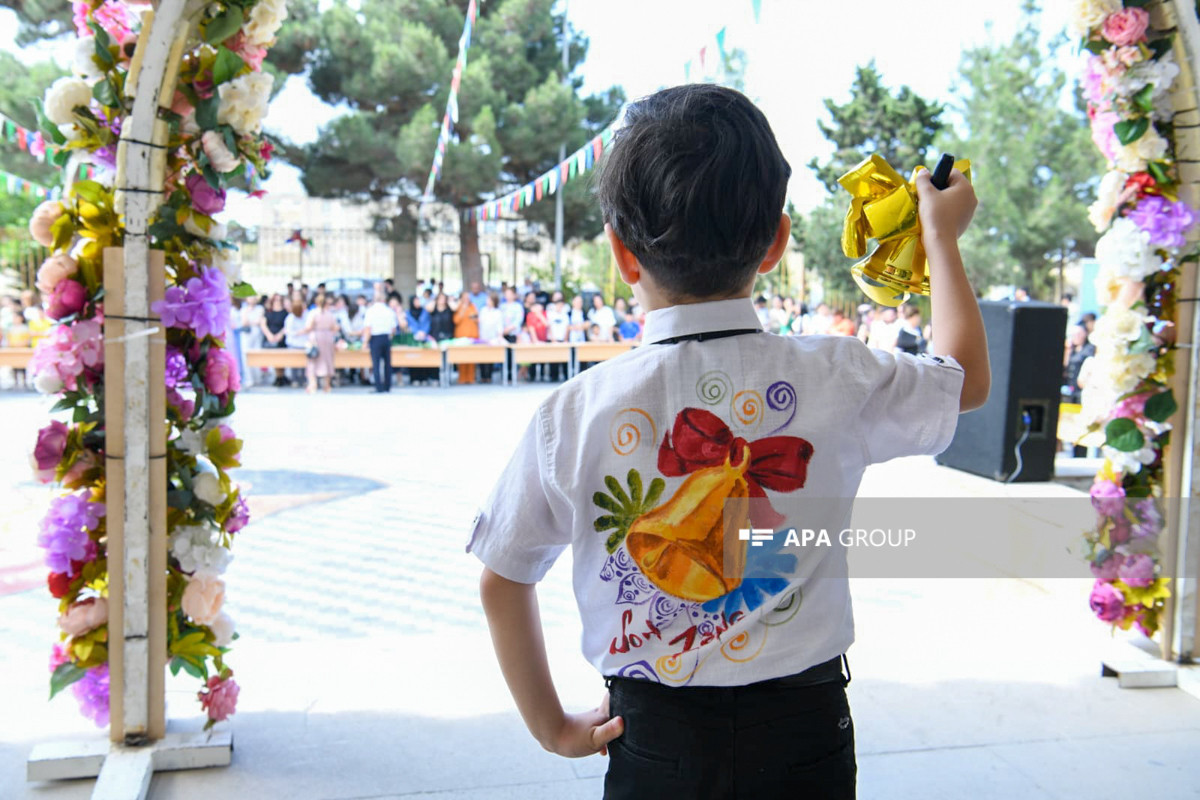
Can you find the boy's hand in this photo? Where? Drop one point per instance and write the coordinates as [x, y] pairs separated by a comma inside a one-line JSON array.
[[587, 733], [945, 214]]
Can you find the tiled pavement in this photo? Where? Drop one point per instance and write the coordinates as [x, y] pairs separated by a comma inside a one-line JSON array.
[[367, 670]]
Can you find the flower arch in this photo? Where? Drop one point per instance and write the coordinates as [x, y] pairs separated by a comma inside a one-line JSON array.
[[213, 143], [1137, 82]]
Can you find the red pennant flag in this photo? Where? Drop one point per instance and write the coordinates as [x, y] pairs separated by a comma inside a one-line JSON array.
[[597, 147], [537, 191], [702, 51]]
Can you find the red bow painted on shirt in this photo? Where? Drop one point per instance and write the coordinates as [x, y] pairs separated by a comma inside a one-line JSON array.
[[700, 439]]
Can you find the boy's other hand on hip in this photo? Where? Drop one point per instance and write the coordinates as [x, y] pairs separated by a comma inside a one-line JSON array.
[[587, 732]]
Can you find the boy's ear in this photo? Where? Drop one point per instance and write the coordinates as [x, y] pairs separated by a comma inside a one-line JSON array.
[[627, 263], [778, 246]]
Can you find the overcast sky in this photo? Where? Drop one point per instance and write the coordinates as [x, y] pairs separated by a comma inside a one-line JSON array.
[[800, 52]]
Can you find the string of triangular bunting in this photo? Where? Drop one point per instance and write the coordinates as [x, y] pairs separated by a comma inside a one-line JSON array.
[[15, 184], [32, 142], [450, 118]]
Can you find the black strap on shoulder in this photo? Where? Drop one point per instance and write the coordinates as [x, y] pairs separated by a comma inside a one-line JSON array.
[[707, 335]]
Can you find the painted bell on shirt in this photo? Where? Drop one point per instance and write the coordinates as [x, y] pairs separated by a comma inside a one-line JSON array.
[[689, 546]]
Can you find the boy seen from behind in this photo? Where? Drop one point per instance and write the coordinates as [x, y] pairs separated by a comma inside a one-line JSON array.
[[723, 665]]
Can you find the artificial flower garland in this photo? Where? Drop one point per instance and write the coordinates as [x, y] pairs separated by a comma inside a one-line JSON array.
[[1127, 83], [215, 143]]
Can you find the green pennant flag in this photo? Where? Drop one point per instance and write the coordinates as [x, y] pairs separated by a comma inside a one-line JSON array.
[[721, 45], [10, 130]]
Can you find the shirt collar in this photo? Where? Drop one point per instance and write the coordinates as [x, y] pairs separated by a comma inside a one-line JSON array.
[[688, 319]]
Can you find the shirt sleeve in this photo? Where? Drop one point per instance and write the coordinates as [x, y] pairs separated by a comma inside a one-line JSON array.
[[910, 403], [524, 525]]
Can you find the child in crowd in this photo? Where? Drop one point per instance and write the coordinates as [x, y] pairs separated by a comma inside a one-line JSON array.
[[723, 665]]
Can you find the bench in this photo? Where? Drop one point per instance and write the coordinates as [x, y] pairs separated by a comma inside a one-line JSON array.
[[592, 352], [542, 353], [295, 358], [15, 357]]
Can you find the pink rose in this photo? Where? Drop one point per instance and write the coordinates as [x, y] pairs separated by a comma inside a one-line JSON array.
[[1120, 532], [184, 406], [1107, 603], [84, 616], [219, 697], [1107, 569], [1138, 570], [205, 199], [221, 372], [59, 655], [48, 452], [251, 54], [1126, 27], [42, 219], [203, 598], [69, 297], [1132, 407], [1108, 498], [54, 270]]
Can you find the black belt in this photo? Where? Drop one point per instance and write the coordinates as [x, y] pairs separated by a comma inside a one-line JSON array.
[[707, 335]]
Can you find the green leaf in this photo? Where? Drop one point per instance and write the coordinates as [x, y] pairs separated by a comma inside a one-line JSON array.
[[1123, 434], [243, 290], [618, 493], [49, 129], [228, 65], [179, 498], [100, 34], [206, 112], [1096, 46], [1130, 130], [635, 487], [1144, 343], [90, 191], [105, 94], [210, 176], [64, 675], [1161, 406], [1160, 47], [656, 489], [604, 523], [1159, 170], [1136, 3], [1145, 98], [606, 502], [224, 25]]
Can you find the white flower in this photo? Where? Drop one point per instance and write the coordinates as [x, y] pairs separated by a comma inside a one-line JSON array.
[[231, 268], [244, 102], [216, 231], [1129, 463], [48, 382], [84, 60], [1133, 157], [207, 487], [1096, 401], [1123, 372], [264, 22], [191, 442], [219, 156], [71, 131], [1160, 74], [197, 550], [1118, 327], [1087, 14], [63, 96], [1111, 185], [222, 628], [1125, 251]]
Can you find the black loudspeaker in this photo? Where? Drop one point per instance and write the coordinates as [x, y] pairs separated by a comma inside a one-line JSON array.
[[1025, 348]]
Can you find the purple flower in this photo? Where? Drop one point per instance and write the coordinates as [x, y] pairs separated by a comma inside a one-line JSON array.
[[177, 371], [239, 516], [1106, 570], [65, 530], [202, 304], [1108, 497], [1150, 519], [1138, 570], [205, 199], [1107, 603], [1165, 221], [92, 692]]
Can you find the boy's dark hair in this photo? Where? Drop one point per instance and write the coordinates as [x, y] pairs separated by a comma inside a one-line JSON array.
[[694, 186]]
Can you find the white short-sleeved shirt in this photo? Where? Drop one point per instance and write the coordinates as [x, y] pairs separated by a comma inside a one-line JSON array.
[[380, 319], [632, 443]]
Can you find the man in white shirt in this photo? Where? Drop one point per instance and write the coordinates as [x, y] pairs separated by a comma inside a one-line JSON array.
[[378, 326], [558, 319], [603, 318]]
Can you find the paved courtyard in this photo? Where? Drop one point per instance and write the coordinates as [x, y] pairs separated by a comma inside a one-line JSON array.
[[367, 670]]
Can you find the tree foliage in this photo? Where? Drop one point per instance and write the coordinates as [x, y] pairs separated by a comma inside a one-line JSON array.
[[1033, 161], [900, 126], [40, 19], [389, 63]]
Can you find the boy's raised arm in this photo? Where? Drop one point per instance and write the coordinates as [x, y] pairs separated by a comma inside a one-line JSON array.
[[516, 628], [958, 326]]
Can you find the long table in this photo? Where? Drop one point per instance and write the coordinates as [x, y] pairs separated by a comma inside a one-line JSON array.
[[15, 357]]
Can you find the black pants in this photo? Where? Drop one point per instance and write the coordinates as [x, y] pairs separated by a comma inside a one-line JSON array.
[[768, 740], [381, 361]]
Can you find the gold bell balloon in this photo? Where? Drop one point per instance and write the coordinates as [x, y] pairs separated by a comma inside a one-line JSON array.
[[883, 207]]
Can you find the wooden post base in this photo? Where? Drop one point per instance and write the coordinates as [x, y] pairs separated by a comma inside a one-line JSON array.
[[1136, 669], [123, 773]]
